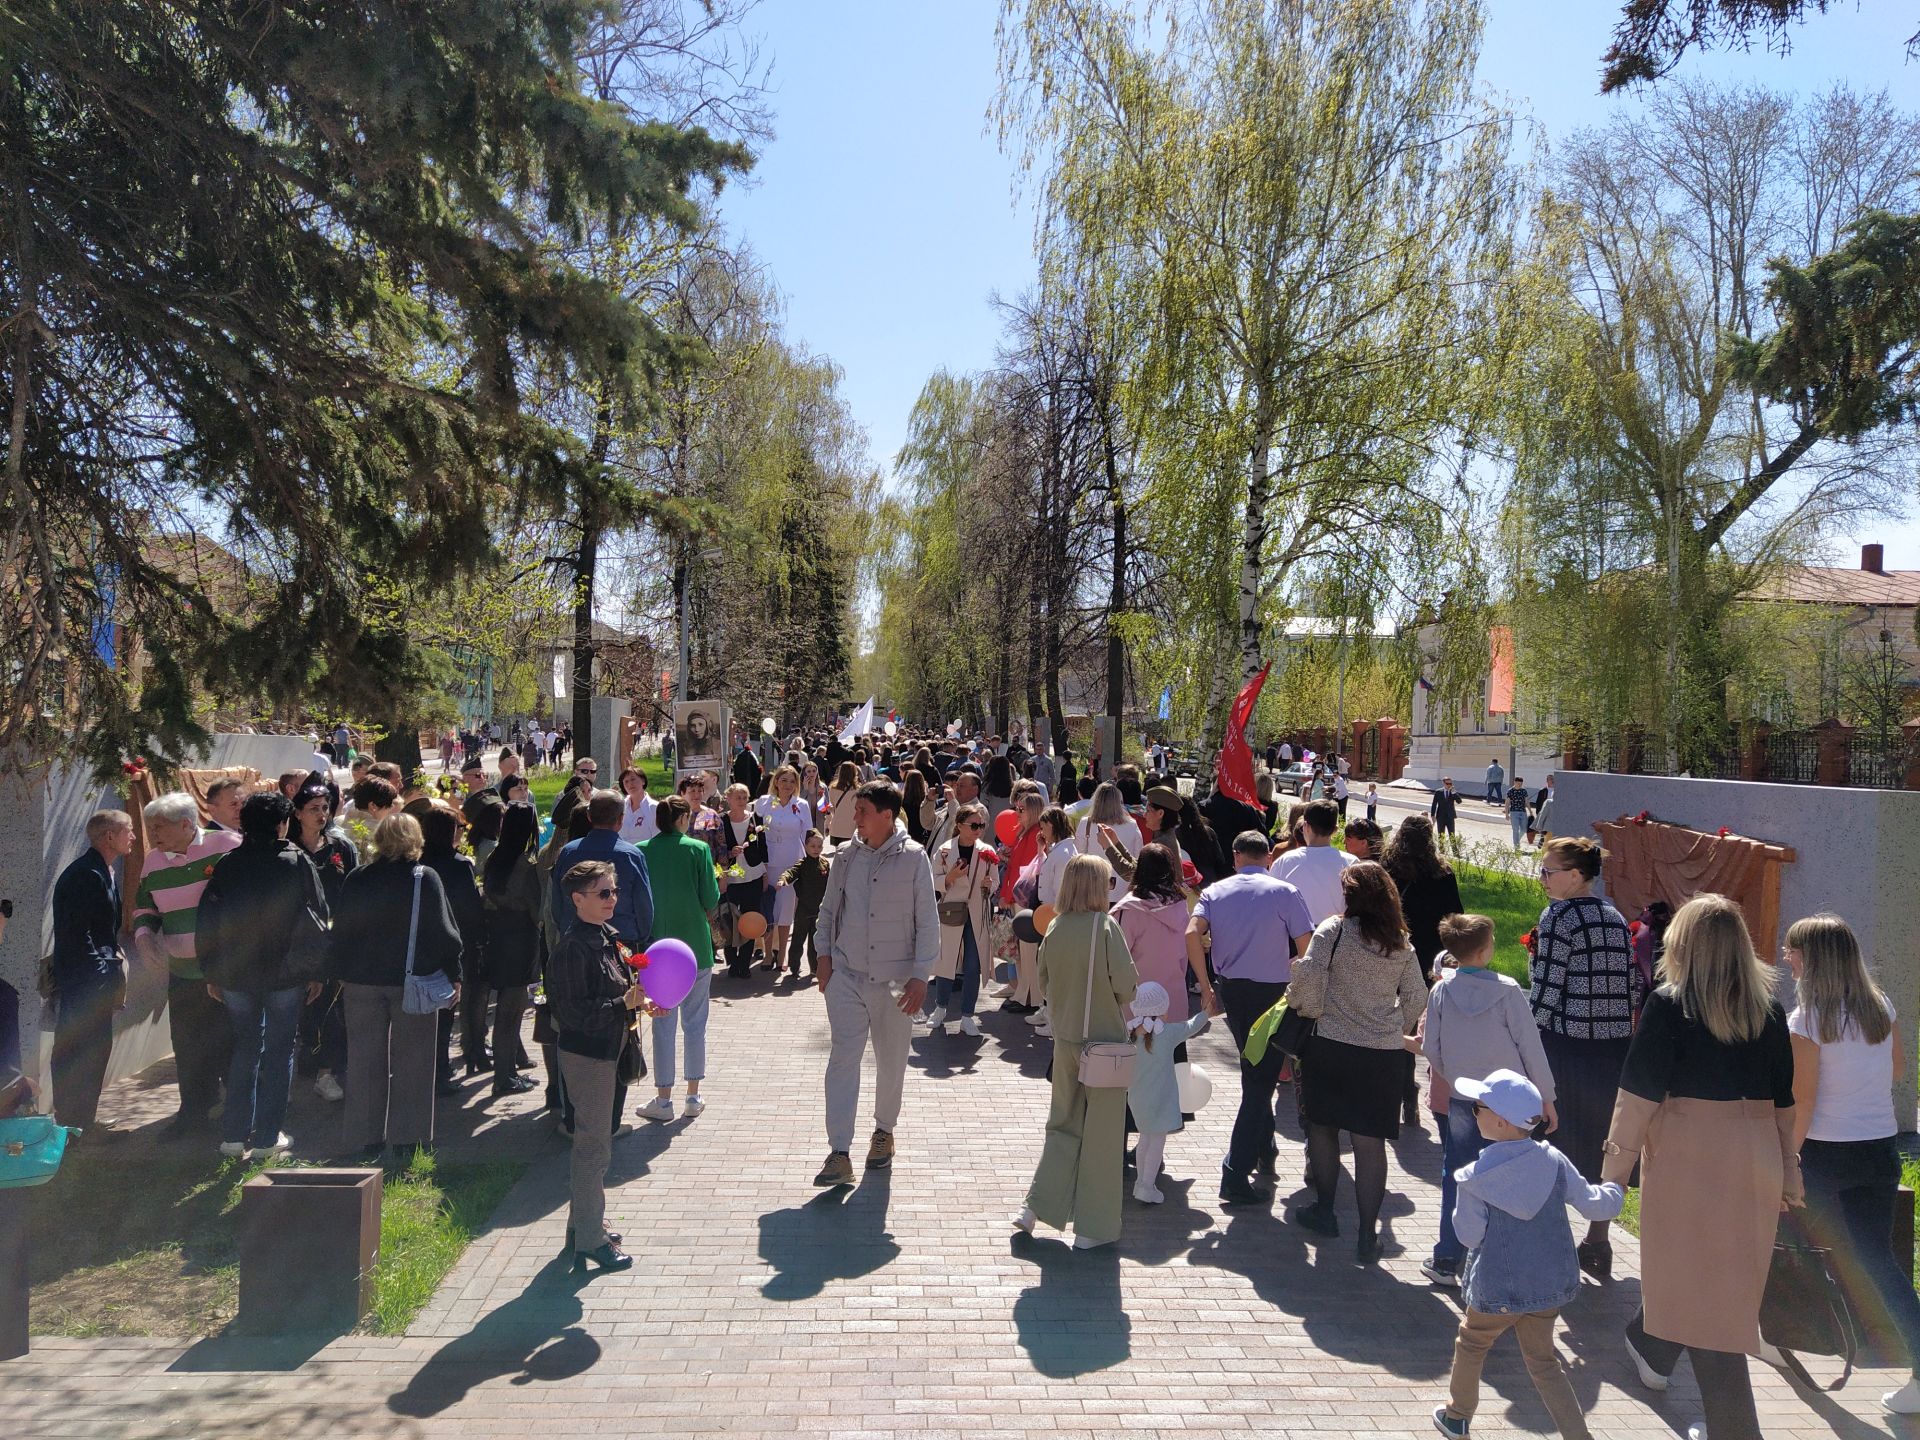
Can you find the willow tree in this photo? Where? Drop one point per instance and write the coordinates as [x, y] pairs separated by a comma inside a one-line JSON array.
[[1678, 449], [1299, 203]]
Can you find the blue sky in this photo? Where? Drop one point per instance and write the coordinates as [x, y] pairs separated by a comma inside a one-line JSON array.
[[887, 215]]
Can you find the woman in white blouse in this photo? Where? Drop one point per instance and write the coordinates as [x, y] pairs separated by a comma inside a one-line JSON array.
[[789, 820], [1109, 809], [640, 821], [840, 801], [1846, 1053]]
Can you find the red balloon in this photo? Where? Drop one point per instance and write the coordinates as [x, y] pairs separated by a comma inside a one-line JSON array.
[[1006, 825]]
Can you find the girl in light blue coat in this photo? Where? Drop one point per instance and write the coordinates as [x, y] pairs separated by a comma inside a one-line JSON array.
[[1154, 1095]]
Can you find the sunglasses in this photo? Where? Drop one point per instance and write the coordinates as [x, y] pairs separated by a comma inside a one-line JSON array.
[[972, 825], [1546, 870], [607, 894]]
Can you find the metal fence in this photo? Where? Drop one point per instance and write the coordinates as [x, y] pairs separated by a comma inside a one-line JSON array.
[[1877, 762], [1793, 757]]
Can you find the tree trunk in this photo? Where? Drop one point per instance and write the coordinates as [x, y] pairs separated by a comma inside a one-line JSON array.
[[1116, 606], [586, 564], [1253, 543], [400, 744]]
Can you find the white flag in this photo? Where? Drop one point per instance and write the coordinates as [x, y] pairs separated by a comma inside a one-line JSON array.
[[859, 723]]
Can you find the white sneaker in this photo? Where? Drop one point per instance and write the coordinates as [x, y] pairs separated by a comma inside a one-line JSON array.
[[328, 1088], [234, 1149], [969, 1025], [693, 1106], [1904, 1401], [622, 1132], [934, 1018], [1697, 1430], [1038, 1018], [1026, 1219], [281, 1144], [1649, 1377], [658, 1108], [1081, 1242], [1003, 993], [1044, 1031], [1150, 1195], [952, 1027]]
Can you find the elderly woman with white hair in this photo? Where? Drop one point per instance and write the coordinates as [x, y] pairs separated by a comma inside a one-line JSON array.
[[180, 857]]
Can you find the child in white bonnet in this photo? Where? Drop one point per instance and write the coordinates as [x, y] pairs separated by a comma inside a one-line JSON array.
[[1154, 1095]]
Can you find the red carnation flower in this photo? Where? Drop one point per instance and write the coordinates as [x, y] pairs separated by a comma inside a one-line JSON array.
[[1643, 817], [1723, 832]]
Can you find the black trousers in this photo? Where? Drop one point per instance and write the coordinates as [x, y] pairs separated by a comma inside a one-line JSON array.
[[1245, 1001], [799, 941], [202, 1044], [82, 1042], [1726, 1389], [1852, 1187]]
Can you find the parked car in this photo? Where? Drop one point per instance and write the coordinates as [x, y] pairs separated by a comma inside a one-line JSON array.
[[1294, 779]]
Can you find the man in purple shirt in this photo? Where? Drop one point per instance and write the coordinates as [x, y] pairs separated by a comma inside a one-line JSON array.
[[1258, 923]]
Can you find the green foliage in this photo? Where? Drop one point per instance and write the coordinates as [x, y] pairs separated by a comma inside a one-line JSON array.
[[268, 277]]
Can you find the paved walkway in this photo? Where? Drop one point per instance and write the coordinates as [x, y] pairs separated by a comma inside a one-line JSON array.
[[762, 1307]]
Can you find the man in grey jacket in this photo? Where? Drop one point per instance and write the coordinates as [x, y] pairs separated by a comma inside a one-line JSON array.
[[879, 928]]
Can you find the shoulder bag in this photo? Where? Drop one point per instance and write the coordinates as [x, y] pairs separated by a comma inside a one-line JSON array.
[[1296, 1031], [953, 913], [425, 994], [1804, 1307], [1104, 1064]]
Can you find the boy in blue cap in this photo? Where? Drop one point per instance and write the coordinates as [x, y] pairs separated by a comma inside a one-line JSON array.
[[1511, 1215]]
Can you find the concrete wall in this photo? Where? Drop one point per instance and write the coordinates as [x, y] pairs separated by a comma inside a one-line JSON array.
[[47, 816], [1855, 851]]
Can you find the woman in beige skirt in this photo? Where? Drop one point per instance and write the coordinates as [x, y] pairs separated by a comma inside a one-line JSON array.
[[1706, 1108]]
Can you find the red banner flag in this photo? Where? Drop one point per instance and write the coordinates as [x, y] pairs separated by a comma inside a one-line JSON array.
[[1234, 777]]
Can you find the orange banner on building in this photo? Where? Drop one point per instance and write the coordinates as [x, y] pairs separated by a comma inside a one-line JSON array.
[[1500, 683]]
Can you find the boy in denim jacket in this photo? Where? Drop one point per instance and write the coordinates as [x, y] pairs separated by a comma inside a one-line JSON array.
[[1512, 1215]]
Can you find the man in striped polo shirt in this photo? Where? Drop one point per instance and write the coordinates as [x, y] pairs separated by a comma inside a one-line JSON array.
[[180, 858]]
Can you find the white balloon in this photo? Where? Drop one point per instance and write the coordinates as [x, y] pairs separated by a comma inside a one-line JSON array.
[[891, 728], [1196, 1087], [768, 726]]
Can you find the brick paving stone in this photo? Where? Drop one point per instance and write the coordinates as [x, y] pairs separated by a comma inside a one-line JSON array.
[[761, 1307]]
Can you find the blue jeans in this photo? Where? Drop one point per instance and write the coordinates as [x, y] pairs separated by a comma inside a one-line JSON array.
[[691, 1016], [967, 982], [1460, 1144], [264, 1026], [1517, 822]]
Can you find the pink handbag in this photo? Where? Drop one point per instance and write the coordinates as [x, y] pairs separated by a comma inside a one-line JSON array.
[[1104, 1064]]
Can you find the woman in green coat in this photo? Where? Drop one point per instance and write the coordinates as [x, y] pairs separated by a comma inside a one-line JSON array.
[[1078, 1180], [685, 895]]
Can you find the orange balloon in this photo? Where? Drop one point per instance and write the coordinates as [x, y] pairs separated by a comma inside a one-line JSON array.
[[752, 925], [1043, 918], [1006, 825]]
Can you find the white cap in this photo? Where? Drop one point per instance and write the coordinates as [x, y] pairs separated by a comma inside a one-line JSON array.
[[1507, 1093], [1150, 1000]]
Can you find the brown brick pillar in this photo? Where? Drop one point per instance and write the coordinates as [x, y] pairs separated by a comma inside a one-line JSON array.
[[1834, 739]]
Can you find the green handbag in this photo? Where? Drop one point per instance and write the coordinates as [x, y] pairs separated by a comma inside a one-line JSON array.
[[31, 1147]]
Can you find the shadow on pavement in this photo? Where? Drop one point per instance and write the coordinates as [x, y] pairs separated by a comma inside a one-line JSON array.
[[230, 1351], [839, 1234], [1074, 1320], [534, 1336]]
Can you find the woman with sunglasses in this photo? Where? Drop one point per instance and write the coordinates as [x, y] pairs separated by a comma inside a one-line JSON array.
[[964, 871], [1585, 993]]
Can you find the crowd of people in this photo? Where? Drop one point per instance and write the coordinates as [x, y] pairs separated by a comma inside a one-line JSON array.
[[355, 934]]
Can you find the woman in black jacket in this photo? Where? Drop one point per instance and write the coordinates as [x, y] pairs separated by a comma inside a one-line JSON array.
[[1428, 894], [516, 898], [593, 996], [323, 1029], [390, 1053], [440, 831], [259, 936]]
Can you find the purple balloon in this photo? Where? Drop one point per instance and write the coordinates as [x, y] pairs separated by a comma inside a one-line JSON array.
[[670, 973]]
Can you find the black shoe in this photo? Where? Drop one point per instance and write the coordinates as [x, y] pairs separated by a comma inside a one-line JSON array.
[[512, 1085], [1369, 1249], [447, 1086], [1015, 1007], [183, 1125], [525, 1062], [607, 1257], [1596, 1258], [1237, 1190], [481, 1064], [1321, 1221]]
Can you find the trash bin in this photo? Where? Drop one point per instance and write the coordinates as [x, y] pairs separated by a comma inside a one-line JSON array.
[[308, 1242]]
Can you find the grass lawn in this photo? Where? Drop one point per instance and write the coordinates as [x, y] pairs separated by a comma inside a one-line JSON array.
[[1512, 902], [143, 1239]]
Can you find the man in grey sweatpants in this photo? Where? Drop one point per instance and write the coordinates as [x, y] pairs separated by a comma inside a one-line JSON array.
[[879, 928]]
